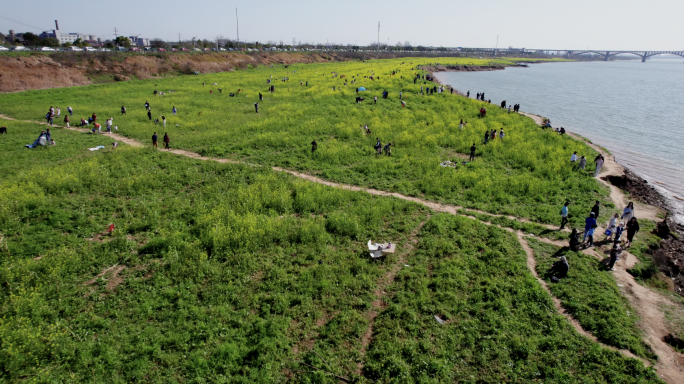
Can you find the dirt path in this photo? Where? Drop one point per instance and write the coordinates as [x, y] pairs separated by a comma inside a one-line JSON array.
[[612, 167], [532, 266], [647, 304]]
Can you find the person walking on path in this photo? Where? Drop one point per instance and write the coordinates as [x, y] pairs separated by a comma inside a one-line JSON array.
[[314, 147], [612, 226], [154, 140], [109, 124], [599, 164], [618, 232], [589, 227], [472, 152], [59, 112], [628, 212], [595, 210], [71, 111], [613, 256], [582, 162], [166, 141], [67, 120], [174, 110], [564, 215], [632, 229], [573, 158]]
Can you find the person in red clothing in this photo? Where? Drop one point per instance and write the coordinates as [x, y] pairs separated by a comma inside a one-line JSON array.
[[94, 117]]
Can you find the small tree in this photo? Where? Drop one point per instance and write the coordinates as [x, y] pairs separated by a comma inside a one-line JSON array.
[[81, 43], [29, 38], [50, 42], [122, 41], [109, 45], [157, 43]]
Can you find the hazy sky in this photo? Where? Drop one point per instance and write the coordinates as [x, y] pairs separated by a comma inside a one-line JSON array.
[[578, 24]]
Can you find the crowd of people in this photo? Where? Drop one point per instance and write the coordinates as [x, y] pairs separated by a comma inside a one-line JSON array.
[[618, 225]]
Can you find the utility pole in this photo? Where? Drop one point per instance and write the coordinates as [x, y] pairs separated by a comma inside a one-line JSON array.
[[179, 40], [378, 35], [115, 37], [238, 27]]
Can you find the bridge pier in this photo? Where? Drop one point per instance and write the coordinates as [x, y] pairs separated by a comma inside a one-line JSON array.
[[643, 58], [607, 56]]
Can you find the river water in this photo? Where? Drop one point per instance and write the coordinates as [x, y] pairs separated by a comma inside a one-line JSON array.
[[634, 109]]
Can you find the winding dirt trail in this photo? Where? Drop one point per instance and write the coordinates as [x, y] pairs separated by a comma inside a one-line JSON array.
[[645, 301], [532, 266]]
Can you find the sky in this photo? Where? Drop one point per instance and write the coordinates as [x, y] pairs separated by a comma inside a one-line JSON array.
[[532, 24]]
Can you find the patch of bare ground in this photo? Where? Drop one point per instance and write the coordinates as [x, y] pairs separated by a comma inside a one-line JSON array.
[[114, 279], [381, 292]]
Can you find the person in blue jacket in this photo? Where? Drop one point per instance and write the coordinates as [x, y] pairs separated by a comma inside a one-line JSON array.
[[589, 227]]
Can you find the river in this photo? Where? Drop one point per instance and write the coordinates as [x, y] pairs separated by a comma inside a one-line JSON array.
[[634, 109]]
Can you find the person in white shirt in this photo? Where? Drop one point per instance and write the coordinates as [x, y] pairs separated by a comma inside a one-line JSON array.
[[573, 158]]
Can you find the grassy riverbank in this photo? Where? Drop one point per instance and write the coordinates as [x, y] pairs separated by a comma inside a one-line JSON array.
[[231, 273], [527, 174]]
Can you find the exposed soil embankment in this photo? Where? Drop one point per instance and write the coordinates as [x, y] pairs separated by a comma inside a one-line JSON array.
[[639, 189], [66, 69], [468, 68], [669, 256]]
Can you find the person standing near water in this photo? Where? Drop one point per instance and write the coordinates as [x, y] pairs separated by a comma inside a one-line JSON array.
[[599, 164], [628, 212]]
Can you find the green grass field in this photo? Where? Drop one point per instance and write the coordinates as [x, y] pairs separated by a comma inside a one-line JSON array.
[[527, 174], [233, 273]]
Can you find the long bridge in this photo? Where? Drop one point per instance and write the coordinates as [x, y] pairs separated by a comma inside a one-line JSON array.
[[573, 52]]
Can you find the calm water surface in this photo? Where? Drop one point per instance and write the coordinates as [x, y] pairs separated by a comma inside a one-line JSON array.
[[634, 109]]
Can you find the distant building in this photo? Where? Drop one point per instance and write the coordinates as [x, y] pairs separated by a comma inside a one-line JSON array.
[[139, 41], [70, 37]]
